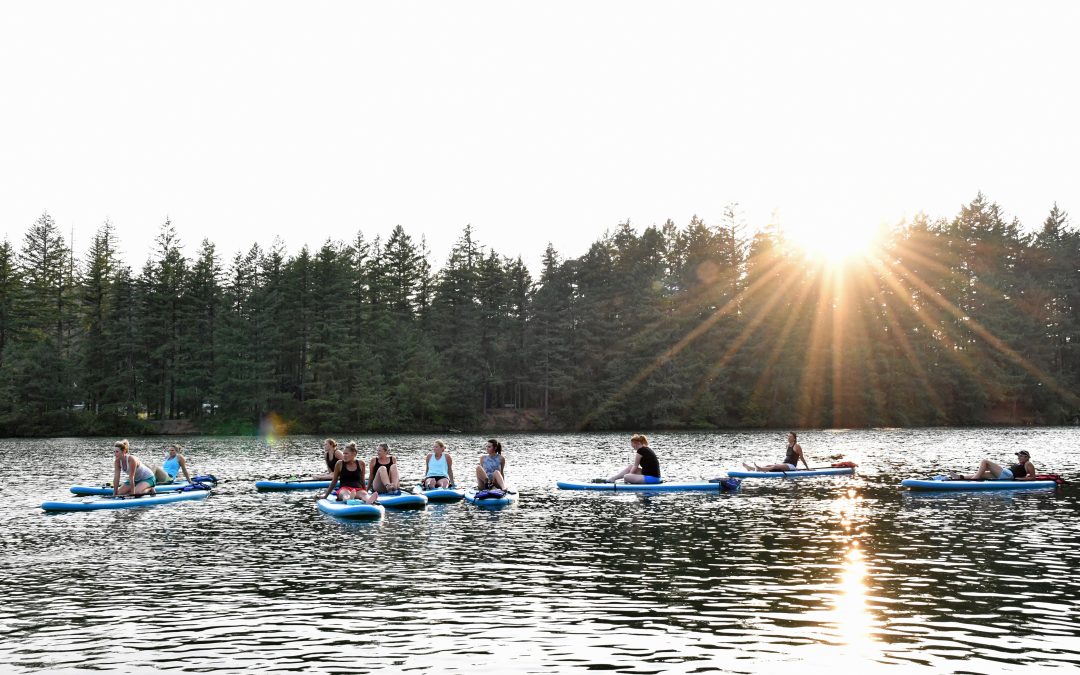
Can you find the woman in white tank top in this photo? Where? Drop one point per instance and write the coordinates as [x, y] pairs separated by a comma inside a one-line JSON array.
[[439, 471]]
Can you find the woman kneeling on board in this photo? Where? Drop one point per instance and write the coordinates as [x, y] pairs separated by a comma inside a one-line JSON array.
[[492, 467], [791, 459], [140, 480], [439, 471], [172, 466], [349, 472], [645, 468], [1022, 470]]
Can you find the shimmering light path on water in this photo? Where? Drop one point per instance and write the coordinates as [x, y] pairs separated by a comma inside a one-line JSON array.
[[819, 574]]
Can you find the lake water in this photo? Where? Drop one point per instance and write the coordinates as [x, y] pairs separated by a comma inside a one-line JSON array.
[[815, 575]]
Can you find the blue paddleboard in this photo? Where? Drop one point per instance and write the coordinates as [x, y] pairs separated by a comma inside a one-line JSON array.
[[689, 486], [791, 474], [917, 484], [352, 509], [281, 485], [450, 494], [478, 498], [125, 502]]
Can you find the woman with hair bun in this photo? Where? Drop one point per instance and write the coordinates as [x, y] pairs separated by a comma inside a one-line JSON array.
[[140, 480], [491, 470]]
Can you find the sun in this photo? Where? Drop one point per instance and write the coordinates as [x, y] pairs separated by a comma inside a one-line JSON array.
[[833, 242]]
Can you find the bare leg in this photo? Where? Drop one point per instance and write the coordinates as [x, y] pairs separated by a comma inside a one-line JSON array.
[[443, 483], [634, 478], [987, 468], [481, 478], [142, 488], [394, 477], [621, 473], [124, 489], [497, 480], [380, 482]]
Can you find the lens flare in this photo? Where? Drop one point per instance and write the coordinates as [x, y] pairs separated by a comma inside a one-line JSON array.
[[272, 429]]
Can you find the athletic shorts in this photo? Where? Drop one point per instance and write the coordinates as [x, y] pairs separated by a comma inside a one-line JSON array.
[[1006, 474], [651, 480], [792, 467], [151, 480]]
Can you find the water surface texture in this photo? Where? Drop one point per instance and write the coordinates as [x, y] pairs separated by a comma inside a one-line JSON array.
[[818, 574]]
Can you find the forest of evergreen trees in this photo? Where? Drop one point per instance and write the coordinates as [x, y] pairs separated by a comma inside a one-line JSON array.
[[965, 321]]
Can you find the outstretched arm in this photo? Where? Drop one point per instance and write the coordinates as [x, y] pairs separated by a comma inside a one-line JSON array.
[[334, 478]]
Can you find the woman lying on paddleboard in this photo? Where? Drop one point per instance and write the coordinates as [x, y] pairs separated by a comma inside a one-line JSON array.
[[438, 467], [349, 472], [645, 468], [492, 467], [791, 459], [172, 466], [331, 455], [384, 470], [1022, 470], [140, 480]]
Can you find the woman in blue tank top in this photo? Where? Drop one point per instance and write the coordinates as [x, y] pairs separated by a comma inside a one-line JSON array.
[[439, 471], [492, 467], [174, 464], [791, 458], [1022, 470]]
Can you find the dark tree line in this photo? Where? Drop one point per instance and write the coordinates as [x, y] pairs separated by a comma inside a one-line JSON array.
[[964, 321]]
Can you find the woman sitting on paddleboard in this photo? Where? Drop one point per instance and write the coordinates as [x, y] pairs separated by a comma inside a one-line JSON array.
[[349, 473], [172, 466], [140, 480], [791, 459], [384, 471], [331, 455], [1022, 470], [645, 468], [492, 467], [439, 467]]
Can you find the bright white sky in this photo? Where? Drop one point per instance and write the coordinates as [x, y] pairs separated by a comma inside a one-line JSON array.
[[533, 121]]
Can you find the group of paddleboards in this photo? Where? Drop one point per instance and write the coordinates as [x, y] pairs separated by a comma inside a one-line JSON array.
[[643, 474], [350, 489]]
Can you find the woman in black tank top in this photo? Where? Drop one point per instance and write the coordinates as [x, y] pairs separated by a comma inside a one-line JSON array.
[[791, 458], [1022, 470], [331, 455], [349, 475], [384, 471]]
